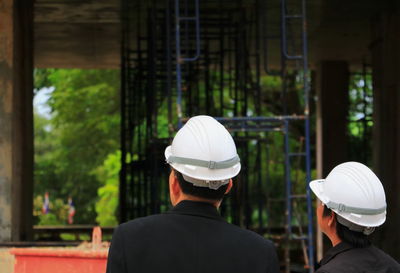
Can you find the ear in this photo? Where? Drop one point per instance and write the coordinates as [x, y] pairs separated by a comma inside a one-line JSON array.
[[174, 188], [174, 184], [332, 220], [230, 184]]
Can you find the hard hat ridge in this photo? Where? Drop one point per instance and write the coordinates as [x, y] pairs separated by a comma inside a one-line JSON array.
[[363, 178]]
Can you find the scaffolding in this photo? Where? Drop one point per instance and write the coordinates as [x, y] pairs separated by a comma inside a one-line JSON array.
[[245, 63]]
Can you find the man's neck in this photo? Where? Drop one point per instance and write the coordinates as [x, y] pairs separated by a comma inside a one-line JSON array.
[[334, 238], [197, 199]]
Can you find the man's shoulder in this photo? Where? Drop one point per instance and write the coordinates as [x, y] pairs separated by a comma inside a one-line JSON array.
[[139, 228], [367, 259], [386, 258], [251, 235], [141, 222], [163, 220], [249, 239]]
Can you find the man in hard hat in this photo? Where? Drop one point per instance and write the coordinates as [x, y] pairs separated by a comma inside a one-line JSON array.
[[352, 205], [192, 236]]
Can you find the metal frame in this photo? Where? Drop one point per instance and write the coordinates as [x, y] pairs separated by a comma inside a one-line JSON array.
[[265, 124], [219, 65]]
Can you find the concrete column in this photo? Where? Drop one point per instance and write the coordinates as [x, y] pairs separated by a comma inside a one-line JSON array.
[[332, 112], [16, 119], [332, 85], [386, 132]]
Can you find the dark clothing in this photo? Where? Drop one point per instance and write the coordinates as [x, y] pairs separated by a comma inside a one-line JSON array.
[[190, 238], [347, 259]]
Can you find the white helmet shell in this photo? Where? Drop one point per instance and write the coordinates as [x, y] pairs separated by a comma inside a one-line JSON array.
[[205, 140], [354, 192]]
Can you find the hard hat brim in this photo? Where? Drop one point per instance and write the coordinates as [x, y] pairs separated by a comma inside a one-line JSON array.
[[317, 187]]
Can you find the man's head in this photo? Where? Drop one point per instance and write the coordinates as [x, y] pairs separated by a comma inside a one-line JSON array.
[[182, 190], [203, 159], [352, 203]]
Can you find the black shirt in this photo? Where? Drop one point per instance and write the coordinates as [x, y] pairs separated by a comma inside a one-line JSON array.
[[348, 259], [192, 237]]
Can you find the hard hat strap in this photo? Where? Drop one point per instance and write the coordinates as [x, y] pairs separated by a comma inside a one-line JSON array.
[[214, 185], [203, 163], [364, 211]]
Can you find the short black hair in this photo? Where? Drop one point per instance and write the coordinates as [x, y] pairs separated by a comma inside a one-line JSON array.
[[354, 238], [202, 192]]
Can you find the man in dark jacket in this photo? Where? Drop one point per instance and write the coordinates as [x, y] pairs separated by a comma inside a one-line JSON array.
[[352, 205], [192, 237]]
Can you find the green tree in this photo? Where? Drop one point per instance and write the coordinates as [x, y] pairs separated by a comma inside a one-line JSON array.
[[57, 215], [45, 144], [82, 131], [107, 204], [360, 122]]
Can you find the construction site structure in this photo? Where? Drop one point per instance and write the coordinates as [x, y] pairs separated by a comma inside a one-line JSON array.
[[183, 58]]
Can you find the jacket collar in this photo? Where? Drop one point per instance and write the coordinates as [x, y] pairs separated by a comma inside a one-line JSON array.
[[195, 208], [334, 251]]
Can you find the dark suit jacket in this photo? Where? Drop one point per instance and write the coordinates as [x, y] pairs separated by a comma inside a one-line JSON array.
[[345, 258], [192, 237]]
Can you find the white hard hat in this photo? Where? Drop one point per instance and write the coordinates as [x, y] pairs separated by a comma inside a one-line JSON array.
[[354, 193], [204, 152]]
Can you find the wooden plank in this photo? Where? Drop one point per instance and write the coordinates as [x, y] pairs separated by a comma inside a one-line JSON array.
[[99, 11]]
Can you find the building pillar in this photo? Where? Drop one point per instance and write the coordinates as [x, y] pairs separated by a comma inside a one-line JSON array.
[[332, 85], [386, 116], [16, 119], [332, 111]]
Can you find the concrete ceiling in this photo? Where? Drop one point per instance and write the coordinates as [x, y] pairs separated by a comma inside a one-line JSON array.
[[341, 30], [77, 33], [86, 33]]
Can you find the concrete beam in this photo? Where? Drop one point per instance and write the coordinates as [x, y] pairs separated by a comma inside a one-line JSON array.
[[86, 33], [16, 119], [386, 132], [77, 34]]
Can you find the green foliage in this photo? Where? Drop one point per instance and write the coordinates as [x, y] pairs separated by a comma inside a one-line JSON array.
[[74, 237], [57, 215], [82, 131], [46, 144], [76, 150], [107, 204], [41, 78], [360, 118]]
